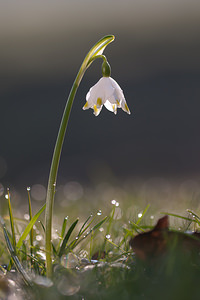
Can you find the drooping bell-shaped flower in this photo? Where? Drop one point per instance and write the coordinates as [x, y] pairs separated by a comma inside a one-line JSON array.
[[106, 92]]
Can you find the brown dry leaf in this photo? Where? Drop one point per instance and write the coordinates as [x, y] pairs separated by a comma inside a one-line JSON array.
[[158, 242]]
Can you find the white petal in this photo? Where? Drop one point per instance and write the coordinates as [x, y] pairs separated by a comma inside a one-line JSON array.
[[109, 106], [114, 84], [125, 107], [107, 87], [97, 110], [113, 99]]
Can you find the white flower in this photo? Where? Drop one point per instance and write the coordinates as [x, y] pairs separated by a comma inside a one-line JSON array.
[[106, 92]]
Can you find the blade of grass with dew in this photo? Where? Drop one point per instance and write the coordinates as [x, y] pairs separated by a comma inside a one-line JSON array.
[[66, 238], [12, 252], [143, 214], [108, 227], [64, 225], [29, 226], [42, 225], [75, 242], [116, 246], [11, 220], [82, 230], [197, 218], [136, 227], [30, 218], [93, 229], [178, 216]]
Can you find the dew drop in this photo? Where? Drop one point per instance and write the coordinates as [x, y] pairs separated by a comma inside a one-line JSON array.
[[28, 188], [99, 213], [26, 217], [38, 238]]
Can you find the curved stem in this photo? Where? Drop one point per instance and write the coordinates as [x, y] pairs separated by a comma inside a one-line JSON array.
[[95, 52], [53, 173]]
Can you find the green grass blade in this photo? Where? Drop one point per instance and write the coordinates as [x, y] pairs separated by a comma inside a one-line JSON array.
[[142, 216], [42, 225], [197, 218], [178, 216], [11, 220], [67, 236], [109, 227], [29, 226], [136, 227], [13, 254], [30, 218], [82, 230], [64, 225], [76, 242]]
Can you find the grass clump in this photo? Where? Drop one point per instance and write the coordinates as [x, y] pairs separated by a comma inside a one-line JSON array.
[[93, 260]]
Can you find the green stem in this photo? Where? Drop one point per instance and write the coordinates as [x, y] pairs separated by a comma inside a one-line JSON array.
[[95, 52]]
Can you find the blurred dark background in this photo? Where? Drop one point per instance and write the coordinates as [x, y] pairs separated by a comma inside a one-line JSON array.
[[155, 59]]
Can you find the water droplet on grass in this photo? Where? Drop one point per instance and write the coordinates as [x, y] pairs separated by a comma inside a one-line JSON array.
[[26, 217], [38, 238], [99, 213], [69, 261]]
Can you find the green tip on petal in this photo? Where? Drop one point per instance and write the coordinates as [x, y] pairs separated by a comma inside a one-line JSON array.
[[127, 109], [99, 102]]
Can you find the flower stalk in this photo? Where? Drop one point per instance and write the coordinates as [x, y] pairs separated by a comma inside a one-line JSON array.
[[95, 52]]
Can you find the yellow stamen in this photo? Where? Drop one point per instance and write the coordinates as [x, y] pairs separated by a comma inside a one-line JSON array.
[[99, 102], [85, 106], [126, 107], [117, 102], [95, 110]]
